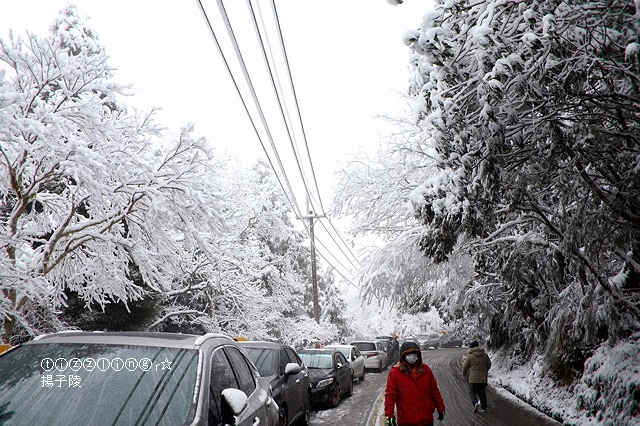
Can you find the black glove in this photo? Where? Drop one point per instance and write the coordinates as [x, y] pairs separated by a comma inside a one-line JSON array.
[[441, 416], [391, 421]]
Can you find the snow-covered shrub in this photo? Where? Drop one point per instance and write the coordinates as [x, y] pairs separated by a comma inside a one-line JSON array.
[[609, 390]]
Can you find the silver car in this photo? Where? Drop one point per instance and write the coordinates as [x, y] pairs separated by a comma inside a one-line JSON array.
[[93, 378], [375, 357], [355, 358]]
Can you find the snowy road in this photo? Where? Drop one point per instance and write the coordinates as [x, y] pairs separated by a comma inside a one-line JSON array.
[[364, 408]]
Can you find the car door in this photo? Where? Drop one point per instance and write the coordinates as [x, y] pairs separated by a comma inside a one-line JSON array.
[[299, 382], [343, 371], [256, 410], [287, 385], [221, 378], [358, 362]]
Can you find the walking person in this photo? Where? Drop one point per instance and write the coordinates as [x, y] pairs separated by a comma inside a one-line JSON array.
[[395, 349], [476, 368], [412, 394]]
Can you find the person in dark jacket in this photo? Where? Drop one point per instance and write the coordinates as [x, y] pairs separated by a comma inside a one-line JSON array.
[[475, 368], [395, 349], [412, 394]]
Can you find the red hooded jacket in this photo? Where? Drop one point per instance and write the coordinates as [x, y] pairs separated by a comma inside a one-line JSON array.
[[414, 392]]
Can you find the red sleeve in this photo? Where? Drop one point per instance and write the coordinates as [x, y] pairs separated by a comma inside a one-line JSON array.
[[390, 393]]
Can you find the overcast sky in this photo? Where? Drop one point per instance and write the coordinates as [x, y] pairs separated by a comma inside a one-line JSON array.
[[347, 61]]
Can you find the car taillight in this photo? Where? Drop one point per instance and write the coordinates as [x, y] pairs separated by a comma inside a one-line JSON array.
[[371, 354]]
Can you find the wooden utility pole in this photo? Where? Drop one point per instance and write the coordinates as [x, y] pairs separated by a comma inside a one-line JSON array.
[[314, 280]]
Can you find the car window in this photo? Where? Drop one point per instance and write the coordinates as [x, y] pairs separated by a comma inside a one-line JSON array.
[[356, 351], [284, 360], [379, 346], [365, 346], [316, 360], [264, 360], [243, 370], [293, 357], [340, 358], [222, 378], [344, 351], [97, 384]]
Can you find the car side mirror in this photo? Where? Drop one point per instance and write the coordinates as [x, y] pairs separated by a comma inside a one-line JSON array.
[[233, 402], [291, 368], [353, 358], [339, 365]]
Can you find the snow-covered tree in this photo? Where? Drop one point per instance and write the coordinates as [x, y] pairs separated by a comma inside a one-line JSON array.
[[88, 190], [530, 123], [258, 286]]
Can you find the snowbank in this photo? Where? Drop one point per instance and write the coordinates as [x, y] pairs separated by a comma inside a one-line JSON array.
[[608, 393]]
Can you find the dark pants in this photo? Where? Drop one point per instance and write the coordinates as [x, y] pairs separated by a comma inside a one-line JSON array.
[[478, 391]]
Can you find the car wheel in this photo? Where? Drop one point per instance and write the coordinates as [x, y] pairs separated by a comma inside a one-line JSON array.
[[335, 397], [283, 417], [350, 391], [362, 377]]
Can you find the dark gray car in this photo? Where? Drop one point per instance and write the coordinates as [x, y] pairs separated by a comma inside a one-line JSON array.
[[288, 377], [93, 378]]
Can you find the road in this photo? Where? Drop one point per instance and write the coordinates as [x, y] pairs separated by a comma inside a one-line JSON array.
[[365, 407]]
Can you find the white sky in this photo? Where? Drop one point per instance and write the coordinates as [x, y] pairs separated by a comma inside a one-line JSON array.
[[347, 60]]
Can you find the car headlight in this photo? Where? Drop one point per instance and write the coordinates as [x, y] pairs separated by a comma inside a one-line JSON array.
[[324, 382]]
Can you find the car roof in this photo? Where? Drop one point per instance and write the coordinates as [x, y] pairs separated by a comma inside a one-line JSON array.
[[319, 350], [365, 341], [340, 346], [263, 344], [131, 338]]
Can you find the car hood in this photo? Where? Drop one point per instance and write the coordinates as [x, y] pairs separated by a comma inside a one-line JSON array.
[[317, 374]]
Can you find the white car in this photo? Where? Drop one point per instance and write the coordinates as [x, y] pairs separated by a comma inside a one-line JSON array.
[[375, 357], [355, 358]]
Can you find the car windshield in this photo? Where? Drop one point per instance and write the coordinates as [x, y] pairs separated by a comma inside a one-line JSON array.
[[365, 346], [317, 360], [264, 359], [81, 384], [343, 351]]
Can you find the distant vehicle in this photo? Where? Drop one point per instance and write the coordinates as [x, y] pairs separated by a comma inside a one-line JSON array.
[[449, 341], [412, 339], [429, 340], [90, 378], [330, 373], [375, 357], [354, 357], [288, 377], [387, 343]]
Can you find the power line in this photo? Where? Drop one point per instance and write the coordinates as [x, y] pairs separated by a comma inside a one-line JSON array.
[[235, 84], [288, 191], [295, 97], [273, 85], [245, 72]]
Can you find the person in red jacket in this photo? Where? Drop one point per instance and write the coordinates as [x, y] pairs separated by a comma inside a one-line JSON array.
[[412, 394]]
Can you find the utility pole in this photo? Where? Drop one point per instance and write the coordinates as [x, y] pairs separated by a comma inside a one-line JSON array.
[[314, 280]]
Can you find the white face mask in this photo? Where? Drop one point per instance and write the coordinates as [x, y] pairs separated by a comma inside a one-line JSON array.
[[411, 358]]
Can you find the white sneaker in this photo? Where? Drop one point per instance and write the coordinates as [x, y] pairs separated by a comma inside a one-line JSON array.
[[476, 407]]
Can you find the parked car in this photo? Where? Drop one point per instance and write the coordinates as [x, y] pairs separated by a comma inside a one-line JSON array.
[[429, 340], [288, 377], [449, 341], [354, 357], [386, 340], [330, 373], [94, 378], [375, 357]]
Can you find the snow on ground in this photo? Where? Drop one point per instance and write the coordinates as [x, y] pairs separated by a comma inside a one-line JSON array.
[[607, 394]]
